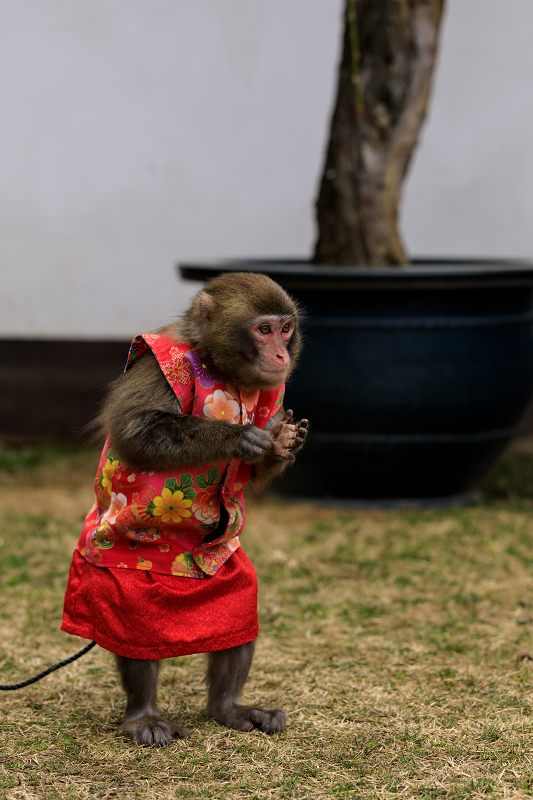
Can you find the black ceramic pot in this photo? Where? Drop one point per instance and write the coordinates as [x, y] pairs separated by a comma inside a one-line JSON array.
[[414, 378]]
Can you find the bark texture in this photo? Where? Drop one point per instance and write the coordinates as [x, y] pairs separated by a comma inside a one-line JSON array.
[[389, 49]]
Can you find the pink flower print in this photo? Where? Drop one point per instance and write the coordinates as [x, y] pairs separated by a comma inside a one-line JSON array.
[[233, 544], [206, 506], [248, 404], [118, 503], [131, 477], [250, 399], [122, 565], [221, 405], [206, 377], [164, 547]]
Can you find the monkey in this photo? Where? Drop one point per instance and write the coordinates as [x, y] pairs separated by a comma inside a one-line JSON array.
[[158, 571]]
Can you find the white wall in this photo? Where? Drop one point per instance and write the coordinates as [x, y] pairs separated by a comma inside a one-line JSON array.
[[470, 190], [139, 133]]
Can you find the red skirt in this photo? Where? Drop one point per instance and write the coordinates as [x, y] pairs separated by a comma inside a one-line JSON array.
[[145, 615]]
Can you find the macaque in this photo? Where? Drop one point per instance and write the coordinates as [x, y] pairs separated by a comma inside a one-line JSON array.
[[159, 571]]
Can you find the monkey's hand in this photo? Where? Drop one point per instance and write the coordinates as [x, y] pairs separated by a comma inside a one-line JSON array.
[[253, 444], [289, 436]]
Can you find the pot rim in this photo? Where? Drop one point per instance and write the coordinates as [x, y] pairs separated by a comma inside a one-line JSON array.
[[421, 273]]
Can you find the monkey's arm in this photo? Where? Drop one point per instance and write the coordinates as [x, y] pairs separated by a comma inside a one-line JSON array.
[[289, 437], [143, 419]]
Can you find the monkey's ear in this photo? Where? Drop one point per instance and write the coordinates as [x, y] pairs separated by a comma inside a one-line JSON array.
[[206, 307]]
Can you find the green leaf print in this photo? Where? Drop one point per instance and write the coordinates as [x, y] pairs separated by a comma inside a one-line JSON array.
[[172, 484], [211, 479], [187, 486], [207, 528]]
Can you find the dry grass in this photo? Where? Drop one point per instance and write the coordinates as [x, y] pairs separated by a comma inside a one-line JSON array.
[[391, 638]]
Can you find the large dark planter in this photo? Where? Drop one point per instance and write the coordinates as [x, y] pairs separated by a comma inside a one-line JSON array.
[[414, 378]]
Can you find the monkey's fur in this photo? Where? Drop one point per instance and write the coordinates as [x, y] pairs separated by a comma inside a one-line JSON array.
[[143, 420]]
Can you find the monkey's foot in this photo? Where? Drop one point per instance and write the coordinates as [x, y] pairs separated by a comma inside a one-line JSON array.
[[245, 718], [152, 731]]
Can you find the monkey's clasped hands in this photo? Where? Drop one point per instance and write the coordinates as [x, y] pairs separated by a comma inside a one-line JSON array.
[[285, 439], [289, 436]]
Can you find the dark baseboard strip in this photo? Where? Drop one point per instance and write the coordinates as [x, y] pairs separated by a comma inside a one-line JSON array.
[[51, 389]]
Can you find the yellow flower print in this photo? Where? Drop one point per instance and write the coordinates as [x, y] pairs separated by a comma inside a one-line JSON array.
[[107, 473], [185, 565], [171, 506], [179, 565], [222, 405]]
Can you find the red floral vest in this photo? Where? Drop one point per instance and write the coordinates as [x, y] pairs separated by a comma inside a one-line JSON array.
[[156, 520]]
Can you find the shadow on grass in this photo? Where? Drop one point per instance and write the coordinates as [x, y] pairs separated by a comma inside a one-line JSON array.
[[511, 479]]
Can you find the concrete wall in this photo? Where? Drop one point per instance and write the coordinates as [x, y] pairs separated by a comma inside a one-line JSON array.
[[137, 134]]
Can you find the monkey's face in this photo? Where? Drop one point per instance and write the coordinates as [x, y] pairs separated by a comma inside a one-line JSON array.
[[272, 338], [246, 326], [255, 354]]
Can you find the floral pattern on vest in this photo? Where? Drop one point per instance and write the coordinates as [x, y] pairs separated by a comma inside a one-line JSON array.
[[160, 521]]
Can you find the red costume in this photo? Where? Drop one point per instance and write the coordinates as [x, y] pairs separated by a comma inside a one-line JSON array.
[[148, 530]]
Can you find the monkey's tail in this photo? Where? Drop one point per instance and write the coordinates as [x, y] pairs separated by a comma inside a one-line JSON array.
[[46, 672]]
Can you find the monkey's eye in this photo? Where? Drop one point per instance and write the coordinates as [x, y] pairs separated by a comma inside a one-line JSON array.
[[264, 329], [286, 328]]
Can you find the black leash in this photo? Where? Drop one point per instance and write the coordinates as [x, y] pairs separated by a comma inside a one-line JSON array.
[[48, 671]]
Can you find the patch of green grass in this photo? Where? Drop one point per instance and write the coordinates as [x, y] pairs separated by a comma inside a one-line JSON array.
[[391, 638], [25, 458]]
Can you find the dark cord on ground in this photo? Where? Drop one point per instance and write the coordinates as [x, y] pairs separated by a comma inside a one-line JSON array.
[[46, 672]]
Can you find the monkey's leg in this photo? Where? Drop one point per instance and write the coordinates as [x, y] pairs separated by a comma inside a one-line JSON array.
[[227, 671], [143, 722]]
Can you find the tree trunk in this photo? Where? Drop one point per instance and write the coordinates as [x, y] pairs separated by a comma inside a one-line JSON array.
[[389, 50]]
